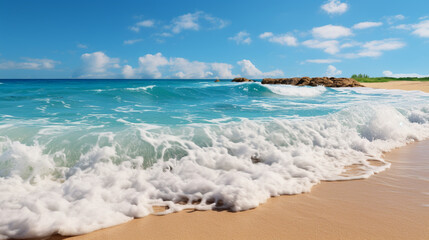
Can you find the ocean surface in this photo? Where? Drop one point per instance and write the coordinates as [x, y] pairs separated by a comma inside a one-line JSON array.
[[80, 155]]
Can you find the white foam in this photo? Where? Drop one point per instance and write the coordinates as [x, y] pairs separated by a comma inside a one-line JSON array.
[[236, 165], [295, 91], [141, 88]]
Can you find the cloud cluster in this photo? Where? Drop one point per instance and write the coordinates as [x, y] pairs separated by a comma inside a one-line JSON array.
[[142, 24], [30, 64], [283, 39], [248, 69], [194, 21], [242, 37], [97, 65], [331, 32], [332, 71], [403, 75], [329, 46], [335, 7], [158, 66], [364, 25]]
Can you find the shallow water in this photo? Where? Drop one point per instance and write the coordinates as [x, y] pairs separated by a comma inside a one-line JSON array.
[[79, 155]]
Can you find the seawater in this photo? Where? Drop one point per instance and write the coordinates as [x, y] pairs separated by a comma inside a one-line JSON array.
[[80, 155]]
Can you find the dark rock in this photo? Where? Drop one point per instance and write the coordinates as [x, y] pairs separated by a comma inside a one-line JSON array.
[[317, 81], [242, 80]]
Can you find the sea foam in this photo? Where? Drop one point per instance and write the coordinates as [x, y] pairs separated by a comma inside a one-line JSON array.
[[122, 175]]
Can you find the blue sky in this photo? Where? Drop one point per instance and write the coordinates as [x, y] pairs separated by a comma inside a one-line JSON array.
[[213, 39]]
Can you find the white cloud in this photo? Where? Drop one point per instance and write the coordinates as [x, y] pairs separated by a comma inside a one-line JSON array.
[[222, 70], [393, 19], [332, 71], [364, 25], [80, 45], [283, 39], [330, 46], [403, 75], [250, 70], [335, 7], [158, 66], [97, 65], [128, 72], [242, 37], [323, 61], [132, 41], [376, 48], [139, 25], [194, 21], [30, 64], [331, 32], [421, 29]]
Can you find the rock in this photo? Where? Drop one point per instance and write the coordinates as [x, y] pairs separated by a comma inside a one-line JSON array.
[[217, 80], [239, 79], [317, 81]]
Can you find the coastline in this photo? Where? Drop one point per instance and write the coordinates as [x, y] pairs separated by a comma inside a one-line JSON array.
[[389, 205], [401, 85]]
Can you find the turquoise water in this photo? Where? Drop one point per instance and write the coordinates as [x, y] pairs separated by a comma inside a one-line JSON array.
[[79, 155]]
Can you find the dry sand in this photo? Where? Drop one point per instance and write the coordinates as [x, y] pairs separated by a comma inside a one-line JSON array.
[[391, 205], [404, 85]]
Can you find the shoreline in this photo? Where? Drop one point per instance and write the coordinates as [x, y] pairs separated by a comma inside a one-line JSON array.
[[389, 205], [400, 85]]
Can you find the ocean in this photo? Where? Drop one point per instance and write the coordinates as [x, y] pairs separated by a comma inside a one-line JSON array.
[[80, 155]]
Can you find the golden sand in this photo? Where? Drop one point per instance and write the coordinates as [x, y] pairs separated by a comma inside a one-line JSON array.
[[403, 85]]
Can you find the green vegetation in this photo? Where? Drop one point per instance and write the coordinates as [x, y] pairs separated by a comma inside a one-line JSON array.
[[366, 78]]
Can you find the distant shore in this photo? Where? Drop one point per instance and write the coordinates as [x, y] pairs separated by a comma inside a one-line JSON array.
[[403, 85]]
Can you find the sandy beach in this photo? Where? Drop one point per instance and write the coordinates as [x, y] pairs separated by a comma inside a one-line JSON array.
[[391, 205], [403, 85]]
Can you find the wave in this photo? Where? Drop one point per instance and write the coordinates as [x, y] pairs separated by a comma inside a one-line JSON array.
[[106, 178]]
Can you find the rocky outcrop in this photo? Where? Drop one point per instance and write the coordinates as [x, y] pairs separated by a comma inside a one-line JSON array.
[[317, 81], [240, 79]]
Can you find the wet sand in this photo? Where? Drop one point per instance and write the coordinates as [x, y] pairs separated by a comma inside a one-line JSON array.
[[391, 205], [403, 85]]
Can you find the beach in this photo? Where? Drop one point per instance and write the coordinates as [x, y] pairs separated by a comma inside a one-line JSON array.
[[403, 85], [393, 204]]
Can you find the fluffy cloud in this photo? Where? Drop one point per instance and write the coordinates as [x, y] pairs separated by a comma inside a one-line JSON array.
[[421, 29], [97, 65], [250, 70], [242, 37], [335, 7], [331, 32], [158, 66], [376, 48], [139, 25], [402, 75], [283, 39], [322, 61], [330, 46], [332, 71], [30, 64], [132, 41], [194, 21], [364, 25]]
